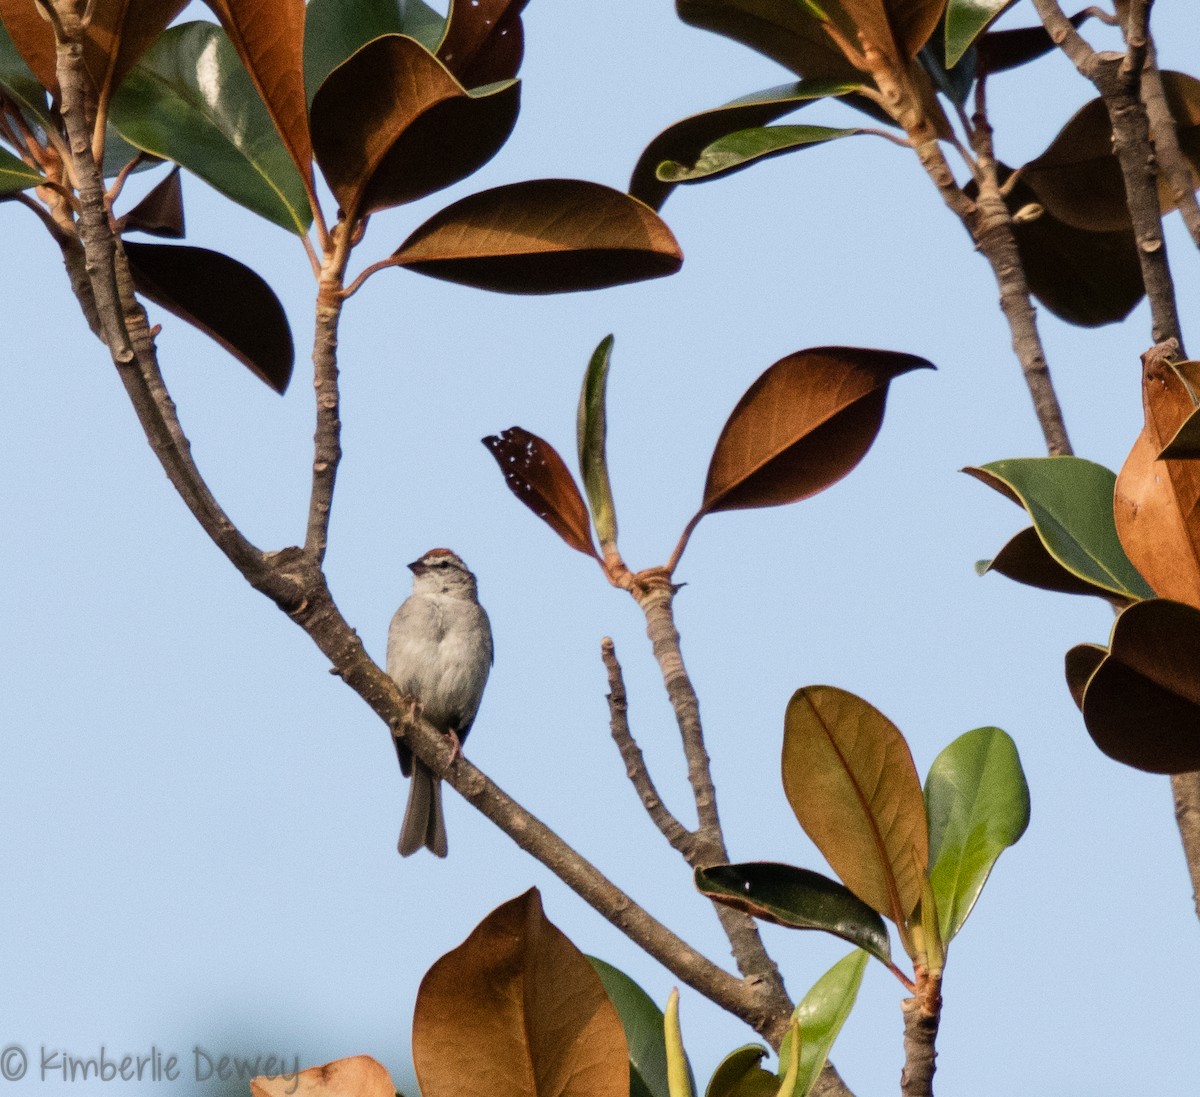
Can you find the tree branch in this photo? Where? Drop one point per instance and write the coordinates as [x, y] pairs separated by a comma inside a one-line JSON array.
[[922, 1015], [1176, 170], [635, 764]]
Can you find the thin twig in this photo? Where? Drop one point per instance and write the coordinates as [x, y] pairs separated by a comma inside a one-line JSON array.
[[635, 764], [1185, 788], [1175, 168]]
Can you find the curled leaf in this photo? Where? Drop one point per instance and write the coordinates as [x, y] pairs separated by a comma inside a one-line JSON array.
[[1081, 663], [591, 431], [223, 298], [160, 212], [679, 1076], [537, 1019], [484, 40], [740, 1075], [543, 236], [538, 476], [797, 898], [851, 781], [1025, 559], [1141, 703]]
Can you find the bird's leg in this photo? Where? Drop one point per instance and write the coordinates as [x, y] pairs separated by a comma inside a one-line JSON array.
[[456, 751]]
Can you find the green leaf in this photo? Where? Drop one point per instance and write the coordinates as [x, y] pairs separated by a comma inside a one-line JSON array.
[[852, 784], [1025, 559], [978, 805], [679, 1074], [591, 430], [15, 174], [799, 899], [336, 29], [739, 1075], [190, 100], [643, 1024], [686, 139], [1071, 503], [745, 147], [966, 20], [820, 1016]]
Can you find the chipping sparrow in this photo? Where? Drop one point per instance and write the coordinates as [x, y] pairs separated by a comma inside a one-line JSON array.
[[439, 651]]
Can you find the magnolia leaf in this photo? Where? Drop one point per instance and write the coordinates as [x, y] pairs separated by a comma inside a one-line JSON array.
[[591, 430], [739, 150], [484, 41], [852, 784], [1185, 443], [643, 1023], [543, 236], [33, 38], [16, 175], [819, 1018], [537, 475], [1080, 664], [999, 50], [966, 20], [799, 899], [17, 79], [977, 802], [685, 140], [1157, 501], [537, 1019], [360, 1076], [223, 298], [1026, 560], [1141, 703], [336, 29], [160, 212], [392, 125], [190, 100], [740, 1075], [679, 1074], [269, 38], [1070, 502]]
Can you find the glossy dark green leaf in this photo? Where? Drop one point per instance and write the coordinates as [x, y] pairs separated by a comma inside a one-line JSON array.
[[643, 1024], [739, 150], [484, 41], [223, 298], [739, 1074], [15, 174], [334, 30], [799, 899], [978, 805], [392, 125], [1071, 503], [684, 141], [1025, 559], [820, 1016], [543, 236], [966, 20], [191, 101], [591, 431], [1141, 704], [955, 82], [160, 212]]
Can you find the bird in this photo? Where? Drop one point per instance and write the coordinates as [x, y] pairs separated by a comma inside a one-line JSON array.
[[439, 653]]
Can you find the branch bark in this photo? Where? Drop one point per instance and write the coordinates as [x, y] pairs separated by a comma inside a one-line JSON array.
[[1176, 170], [922, 1015]]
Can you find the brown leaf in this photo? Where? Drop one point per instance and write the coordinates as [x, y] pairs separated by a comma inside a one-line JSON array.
[[1142, 703], [269, 38], [160, 213], [898, 27], [359, 1076], [391, 125], [484, 40], [1157, 506], [517, 1010], [850, 779], [223, 298], [802, 426], [543, 236], [1081, 663], [34, 39], [537, 475], [1026, 560], [119, 33]]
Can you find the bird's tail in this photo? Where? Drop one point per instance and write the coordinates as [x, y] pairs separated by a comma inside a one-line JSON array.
[[424, 824]]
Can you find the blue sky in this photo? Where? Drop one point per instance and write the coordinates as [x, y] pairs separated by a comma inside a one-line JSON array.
[[198, 823]]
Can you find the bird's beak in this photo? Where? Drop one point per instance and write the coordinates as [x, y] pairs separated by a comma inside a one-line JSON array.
[[417, 568]]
